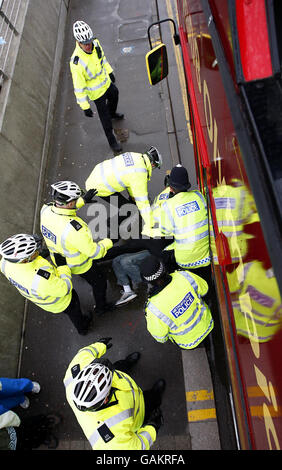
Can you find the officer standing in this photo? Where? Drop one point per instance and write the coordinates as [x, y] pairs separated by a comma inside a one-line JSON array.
[[184, 216], [113, 411], [93, 80], [175, 309], [37, 280], [129, 171], [66, 233]]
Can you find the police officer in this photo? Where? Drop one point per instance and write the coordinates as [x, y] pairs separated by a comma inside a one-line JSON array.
[[129, 171], [66, 233], [184, 216], [175, 309], [93, 80], [37, 280], [113, 411]]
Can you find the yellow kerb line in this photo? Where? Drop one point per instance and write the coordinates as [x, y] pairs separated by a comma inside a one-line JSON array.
[[210, 413]]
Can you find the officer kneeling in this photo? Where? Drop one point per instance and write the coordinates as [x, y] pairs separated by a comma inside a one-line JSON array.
[[175, 309], [113, 412]]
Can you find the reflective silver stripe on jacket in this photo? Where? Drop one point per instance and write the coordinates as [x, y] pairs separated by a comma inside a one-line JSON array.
[[64, 237], [180, 230], [89, 73], [197, 341], [192, 239], [146, 435], [121, 376], [110, 422]]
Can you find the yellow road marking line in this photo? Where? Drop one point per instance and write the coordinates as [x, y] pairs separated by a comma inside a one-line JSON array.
[[199, 395], [210, 413], [201, 415]]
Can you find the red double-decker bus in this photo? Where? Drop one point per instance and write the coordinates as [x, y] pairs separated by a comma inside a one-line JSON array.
[[232, 56]]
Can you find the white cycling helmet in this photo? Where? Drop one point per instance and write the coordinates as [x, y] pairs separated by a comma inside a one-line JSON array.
[[82, 32], [155, 157], [64, 192], [18, 247], [91, 387]]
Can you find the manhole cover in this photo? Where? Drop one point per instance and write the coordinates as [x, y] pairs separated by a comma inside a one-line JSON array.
[[132, 31]]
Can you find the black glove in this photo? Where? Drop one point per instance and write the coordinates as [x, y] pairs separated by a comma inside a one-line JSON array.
[[39, 240], [60, 260], [156, 419], [44, 253], [88, 112], [166, 181], [88, 196], [112, 77], [106, 341]]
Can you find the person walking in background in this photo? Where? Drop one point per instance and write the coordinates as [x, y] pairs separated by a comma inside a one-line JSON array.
[[93, 80]]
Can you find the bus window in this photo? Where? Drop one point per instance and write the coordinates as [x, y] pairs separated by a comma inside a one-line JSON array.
[[157, 64]]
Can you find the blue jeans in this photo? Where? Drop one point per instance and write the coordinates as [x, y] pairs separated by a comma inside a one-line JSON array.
[[12, 392], [127, 267]]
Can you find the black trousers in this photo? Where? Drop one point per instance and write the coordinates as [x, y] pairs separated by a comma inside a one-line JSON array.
[[96, 278], [80, 321], [106, 107]]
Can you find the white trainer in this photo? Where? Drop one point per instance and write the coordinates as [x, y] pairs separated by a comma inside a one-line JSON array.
[[126, 297], [25, 404], [36, 387]]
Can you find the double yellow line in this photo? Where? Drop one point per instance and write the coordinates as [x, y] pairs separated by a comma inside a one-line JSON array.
[[204, 414]]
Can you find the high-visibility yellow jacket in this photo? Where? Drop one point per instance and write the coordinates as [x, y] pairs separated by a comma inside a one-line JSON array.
[[48, 287], [66, 233], [235, 208], [184, 216], [123, 416], [129, 171], [256, 301], [90, 75], [178, 312], [154, 230]]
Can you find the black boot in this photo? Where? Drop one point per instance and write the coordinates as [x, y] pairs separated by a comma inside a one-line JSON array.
[[118, 116], [116, 147], [159, 387], [133, 358]]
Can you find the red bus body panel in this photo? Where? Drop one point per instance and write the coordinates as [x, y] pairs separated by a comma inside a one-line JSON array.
[[244, 279]]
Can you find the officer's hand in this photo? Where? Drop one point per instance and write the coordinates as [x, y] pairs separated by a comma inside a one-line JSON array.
[[44, 253], [38, 239], [60, 260], [88, 112], [88, 196], [112, 77], [156, 419], [106, 341]]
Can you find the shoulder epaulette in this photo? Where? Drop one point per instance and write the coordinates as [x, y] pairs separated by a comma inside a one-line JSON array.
[[76, 224], [105, 433], [75, 60], [43, 273], [75, 370]]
